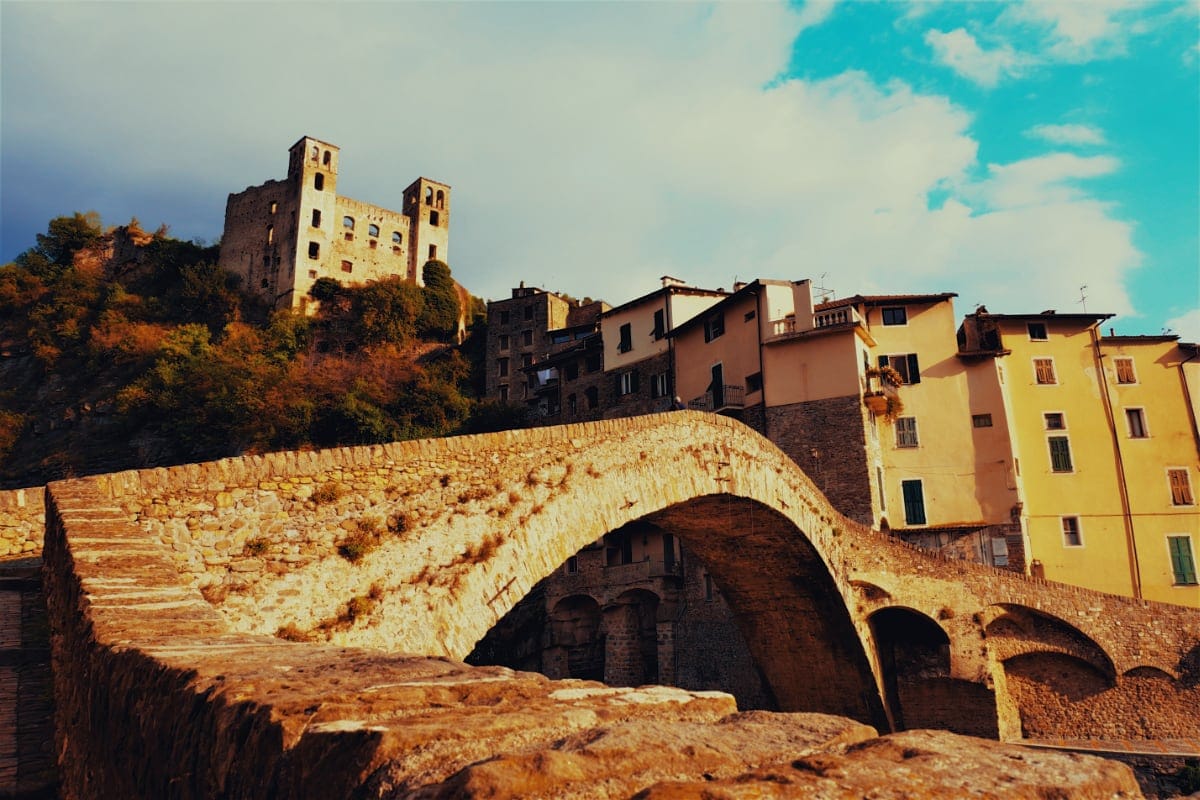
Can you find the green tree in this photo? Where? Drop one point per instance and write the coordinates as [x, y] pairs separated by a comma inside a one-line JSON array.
[[440, 316], [56, 248], [385, 311]]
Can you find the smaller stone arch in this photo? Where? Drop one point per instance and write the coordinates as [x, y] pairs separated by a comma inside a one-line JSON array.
[[441, 199], [576, 648], [328, 158], [1014, 630], [1147, 671], [631, 638], [428, 195]]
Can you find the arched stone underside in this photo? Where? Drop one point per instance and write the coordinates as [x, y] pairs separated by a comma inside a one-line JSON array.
[[455, 532]]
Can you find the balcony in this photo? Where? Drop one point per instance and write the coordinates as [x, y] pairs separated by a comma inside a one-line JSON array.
[[721, 398], [826, 319]]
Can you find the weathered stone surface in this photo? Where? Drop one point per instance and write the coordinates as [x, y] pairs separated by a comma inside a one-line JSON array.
[[920, 764], [612, 762]]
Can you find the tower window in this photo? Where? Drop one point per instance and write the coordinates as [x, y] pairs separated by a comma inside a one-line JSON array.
[[270, 234], [428, 196], [274, 207], [314, 250], [397, 238], [372, 230], [348, 222], [318, 181], [347, 266], [316, 218], [433, 218], [328, 157], [432, 252], [316, 152]]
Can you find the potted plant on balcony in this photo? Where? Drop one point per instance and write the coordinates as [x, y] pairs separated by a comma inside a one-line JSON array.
[[877, 402]]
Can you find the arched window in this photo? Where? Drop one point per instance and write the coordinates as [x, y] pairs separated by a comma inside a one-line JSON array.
[[328, 156], [372, 230], [428, 195], [270, 234], [441, 199], [397, 238], [315, 152], [318, 181], [348, 223]]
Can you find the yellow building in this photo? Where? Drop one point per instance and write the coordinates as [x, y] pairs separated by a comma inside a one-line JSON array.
[[1103, 438]]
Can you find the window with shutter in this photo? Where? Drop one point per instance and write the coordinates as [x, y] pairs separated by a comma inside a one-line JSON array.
[[906, 432], [1183, 560], [1060, 454], [914, 502], [1043, 369], [1181, 487]]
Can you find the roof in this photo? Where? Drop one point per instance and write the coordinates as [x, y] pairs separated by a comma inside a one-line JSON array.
[[1146, 338], [1044, 316], [884, 300], [663, 292], [747, 290]]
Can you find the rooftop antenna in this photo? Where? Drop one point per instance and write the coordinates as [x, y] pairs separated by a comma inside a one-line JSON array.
[[1083, 297], [823, 294]]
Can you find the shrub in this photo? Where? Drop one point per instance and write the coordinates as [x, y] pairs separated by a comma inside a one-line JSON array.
[[327, 493], [256, 546]]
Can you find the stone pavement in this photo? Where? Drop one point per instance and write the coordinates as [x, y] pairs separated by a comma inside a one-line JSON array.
[[27, 770]]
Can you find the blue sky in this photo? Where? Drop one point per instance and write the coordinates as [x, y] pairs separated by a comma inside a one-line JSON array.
[[1008, 152]]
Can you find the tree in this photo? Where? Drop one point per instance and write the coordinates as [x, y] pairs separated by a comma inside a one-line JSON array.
[[56, 248], [440, 317]]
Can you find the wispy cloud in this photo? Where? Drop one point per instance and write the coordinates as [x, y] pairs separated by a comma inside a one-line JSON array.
[[959, 51], [1186, 325], [1070, 134]]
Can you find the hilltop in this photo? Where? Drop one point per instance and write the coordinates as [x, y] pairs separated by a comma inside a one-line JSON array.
[[124, 349]]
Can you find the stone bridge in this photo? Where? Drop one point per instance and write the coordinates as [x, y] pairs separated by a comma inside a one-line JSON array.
[[250, 605]]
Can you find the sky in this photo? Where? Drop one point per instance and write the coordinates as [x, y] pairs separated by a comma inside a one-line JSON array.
[[1027, 155]]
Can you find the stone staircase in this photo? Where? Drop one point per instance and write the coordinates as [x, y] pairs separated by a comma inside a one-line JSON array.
[[27, 769]]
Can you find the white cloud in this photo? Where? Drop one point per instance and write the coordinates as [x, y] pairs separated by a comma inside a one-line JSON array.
[[1186, 326], [589, 151], [959, 51], [1039, 181], [1080, 31], [1067, 134]]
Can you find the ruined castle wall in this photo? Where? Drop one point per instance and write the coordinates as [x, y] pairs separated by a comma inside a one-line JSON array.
[[370, 258], [265, 259], [22, 520]]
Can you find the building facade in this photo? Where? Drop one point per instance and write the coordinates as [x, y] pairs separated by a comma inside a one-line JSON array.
[[283, 235]]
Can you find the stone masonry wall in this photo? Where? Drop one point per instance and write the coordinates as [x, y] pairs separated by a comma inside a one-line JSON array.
[[824, 438], [421, 546], [158, 698], [22, 521]]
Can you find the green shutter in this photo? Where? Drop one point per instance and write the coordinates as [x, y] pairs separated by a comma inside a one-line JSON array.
[[914, 370], [1060, 454], [1182, 564], [914, 502]]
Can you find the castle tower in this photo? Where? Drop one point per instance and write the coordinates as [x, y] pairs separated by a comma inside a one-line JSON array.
[[427, 206]]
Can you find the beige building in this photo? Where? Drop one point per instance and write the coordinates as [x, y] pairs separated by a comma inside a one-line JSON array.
[[281, 236], [1103, 437]]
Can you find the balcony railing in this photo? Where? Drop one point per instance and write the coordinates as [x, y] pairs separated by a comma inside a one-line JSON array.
[[824, 319], [720, 398]]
